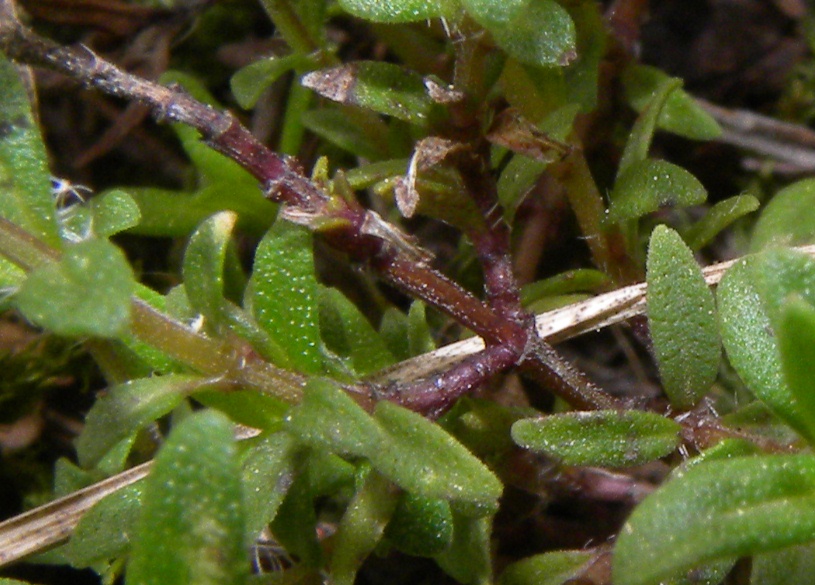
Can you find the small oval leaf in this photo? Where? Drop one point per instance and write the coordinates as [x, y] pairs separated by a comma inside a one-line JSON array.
[[421, 526], [541, 34], [650, 184], [423, 459], [639, 141], [191, 528], [348, 333], [25, 183], [751, 345], [85, 293], [267, 474], [328, 419], [361, 527], [128, 407], [788, 219], [283, 294], [104, 533], [716, 510], [203, 267], [796, 339], [385, 88], [600, 438], [718, 218], [680, 113], [682, 319], [249, 82], [554, 568], [334, 125]]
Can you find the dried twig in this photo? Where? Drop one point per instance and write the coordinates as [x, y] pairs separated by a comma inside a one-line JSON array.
[[790, 144], [554, 326]]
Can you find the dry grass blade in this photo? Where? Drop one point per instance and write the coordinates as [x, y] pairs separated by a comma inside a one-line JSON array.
[[48, 525], [554, 326]]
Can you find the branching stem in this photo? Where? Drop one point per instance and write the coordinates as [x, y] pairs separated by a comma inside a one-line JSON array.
[[340, 221]]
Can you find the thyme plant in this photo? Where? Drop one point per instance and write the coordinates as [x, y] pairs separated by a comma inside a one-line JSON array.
[[338, 434]]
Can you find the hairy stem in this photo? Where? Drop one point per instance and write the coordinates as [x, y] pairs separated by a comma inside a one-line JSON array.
[[432, 396], [343, 223]]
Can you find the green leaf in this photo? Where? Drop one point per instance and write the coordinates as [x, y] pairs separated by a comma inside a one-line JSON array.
[[283, 294], [25, 183], [361, 527], [399, 10], [416, 454], [369, 175], [394, 332], [267, 473], [788, 219], [69, 477], [423, 459], [334, 125], [114, 211], [582, 77], [247, 407], [606, 438], [388, 89], [249, 82], [421, 526], [719, 217], [494, 12], [680, 114], [682, 319], [348, 333], [104, 533], [751, 346], [329, 419], [171, 213], [516, 181], [85, 293], [128, 407], [720, 509], [712, 573], [571, 281], [781, 273], [484, 427], [468, 559], [295, 524], [203, 267], [796, 340], [650, 184], [728, 448], [554, 568], [420, 338], [790, 565], [103, 216], [639, 141], [542, 33], [318, 474], [191, 527]]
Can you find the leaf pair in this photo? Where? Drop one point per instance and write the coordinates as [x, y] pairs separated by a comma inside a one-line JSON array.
[[403, 446], [720, 509]]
